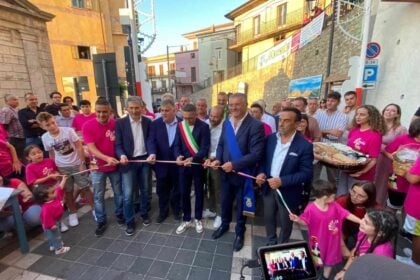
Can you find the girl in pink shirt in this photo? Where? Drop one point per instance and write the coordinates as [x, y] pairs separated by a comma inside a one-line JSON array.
[[365, 137], [377, 229], [40, 170], [324, 218], [51, 199]]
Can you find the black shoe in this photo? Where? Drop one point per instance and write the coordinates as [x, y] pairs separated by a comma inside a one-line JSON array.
[[130, 230], [238, 243], [177, 217], [120, 220], [160, 219], [219, 232], [146, 220], [271, 243], [100, 229]]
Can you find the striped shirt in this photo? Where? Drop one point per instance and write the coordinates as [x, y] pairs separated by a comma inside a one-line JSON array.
[[337, 120], [9, 118]]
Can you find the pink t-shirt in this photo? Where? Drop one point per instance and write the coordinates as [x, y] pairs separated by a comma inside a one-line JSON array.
[[325, 227], [6, 161], [267, 129], [52, 211], [35, 171], [413, 195], [3, 132], [384, 249], [80, 120], [368, 142], [103, 136], [402, 183]]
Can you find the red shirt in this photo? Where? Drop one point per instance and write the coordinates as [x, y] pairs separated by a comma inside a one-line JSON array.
[[80, 120], [52, 211], [38, 170]]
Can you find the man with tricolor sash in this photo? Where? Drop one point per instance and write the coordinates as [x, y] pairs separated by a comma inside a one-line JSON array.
[[240, 148], [192, 144]]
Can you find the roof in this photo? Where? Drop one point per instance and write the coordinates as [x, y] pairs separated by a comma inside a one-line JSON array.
[[26, 8], [247, 6], [208, 30]]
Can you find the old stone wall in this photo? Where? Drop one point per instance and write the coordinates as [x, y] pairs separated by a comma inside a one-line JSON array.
[[272, 83], [25, 56]]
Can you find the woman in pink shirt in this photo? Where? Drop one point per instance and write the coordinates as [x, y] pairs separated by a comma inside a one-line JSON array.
[[392, 115], [377, 230], [398, 185], [365, 137]]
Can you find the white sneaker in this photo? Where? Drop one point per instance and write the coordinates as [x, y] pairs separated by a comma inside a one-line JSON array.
[[62, 250], [408, 261], [198, 226], [209, 214], [408, 252], [63, 227], [217, 222], [73, 220], [183, 227]]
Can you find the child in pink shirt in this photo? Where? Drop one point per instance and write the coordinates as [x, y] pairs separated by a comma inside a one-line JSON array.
[[398, 186], [324, 218], [40, 170], [51, 199], [377, 229]]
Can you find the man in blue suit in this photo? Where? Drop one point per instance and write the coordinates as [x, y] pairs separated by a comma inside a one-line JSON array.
[[192, 143], [160, 145], [130, 144], [287, 166], [248, 135]]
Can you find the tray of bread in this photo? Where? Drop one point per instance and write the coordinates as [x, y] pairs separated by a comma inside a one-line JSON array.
[[339, 156]]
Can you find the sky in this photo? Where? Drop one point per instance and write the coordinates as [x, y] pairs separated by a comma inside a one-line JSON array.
[[176, 17]]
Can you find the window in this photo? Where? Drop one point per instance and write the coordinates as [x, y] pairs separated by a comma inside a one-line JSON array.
[[81, 4], [154, 85], [192, 55], [151, 70], [218, 53], [281, 14], [256, 25], [172, 68], [163, 84], [81, 52], [161, 69], [193, 75], [238, 33]]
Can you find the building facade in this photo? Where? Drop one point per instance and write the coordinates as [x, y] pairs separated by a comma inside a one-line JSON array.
[[160, 79], [187, 72], [25, 56], [81, 29]]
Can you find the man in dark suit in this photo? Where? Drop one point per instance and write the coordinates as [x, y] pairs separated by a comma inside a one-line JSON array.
[[287, 166], [248, 136], [130, 144], [160, 145], [192, 143]]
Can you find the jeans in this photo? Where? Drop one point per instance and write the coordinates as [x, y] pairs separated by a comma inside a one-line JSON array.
[[54, 237], [30, 218], [99, 184], [134, 180]]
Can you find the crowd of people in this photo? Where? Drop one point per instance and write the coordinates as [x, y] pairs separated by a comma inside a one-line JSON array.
[[230, 155]]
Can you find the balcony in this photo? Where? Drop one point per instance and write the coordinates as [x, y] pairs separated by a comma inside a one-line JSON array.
[[268, 29]]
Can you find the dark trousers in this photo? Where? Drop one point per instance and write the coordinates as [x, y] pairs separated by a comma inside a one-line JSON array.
[[230, 190], [168, 191], [214, 183], [187, 174], [272, 208], [19, 144]]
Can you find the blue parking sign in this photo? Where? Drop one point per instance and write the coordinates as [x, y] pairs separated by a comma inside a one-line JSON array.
[[370, 74]]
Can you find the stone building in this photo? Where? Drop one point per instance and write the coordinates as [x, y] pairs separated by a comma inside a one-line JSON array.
[[25, 56]]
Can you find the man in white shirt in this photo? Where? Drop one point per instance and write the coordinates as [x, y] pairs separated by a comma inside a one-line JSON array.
[[350, 98]]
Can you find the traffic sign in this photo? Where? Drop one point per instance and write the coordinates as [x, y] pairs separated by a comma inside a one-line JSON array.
[[370, 74], [373, 49]]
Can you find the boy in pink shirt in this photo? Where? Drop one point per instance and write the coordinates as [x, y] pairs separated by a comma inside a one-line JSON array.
[[99, 136], [85, 116], [324, 218]]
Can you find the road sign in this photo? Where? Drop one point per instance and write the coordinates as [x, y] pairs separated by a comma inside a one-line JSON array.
[[371, 62], [370, 74], [373, 49]]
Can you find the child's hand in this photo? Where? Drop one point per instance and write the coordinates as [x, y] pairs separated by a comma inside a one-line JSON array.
[[63, 180], [26, 195], [54, 175], [293, 217]]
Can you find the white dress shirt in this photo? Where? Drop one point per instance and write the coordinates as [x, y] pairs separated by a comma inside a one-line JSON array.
[[279, 156], [235, 129], [138, 139], [215, 133]]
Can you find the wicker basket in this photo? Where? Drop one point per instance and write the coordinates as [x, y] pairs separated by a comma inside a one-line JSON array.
[[400, 166]]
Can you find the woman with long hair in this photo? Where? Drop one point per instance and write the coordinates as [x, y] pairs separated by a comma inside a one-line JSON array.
[[392, 116], [365, 137]]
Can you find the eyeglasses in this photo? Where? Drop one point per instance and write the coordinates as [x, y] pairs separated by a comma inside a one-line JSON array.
[[357, 195]]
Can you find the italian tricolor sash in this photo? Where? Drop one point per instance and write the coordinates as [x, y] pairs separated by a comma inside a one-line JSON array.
[[188, 138]]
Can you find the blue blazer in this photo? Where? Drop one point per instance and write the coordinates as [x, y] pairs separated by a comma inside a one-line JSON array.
[[250, 138], [297, 169], [124, 141], [157, 144], [201, 133]]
